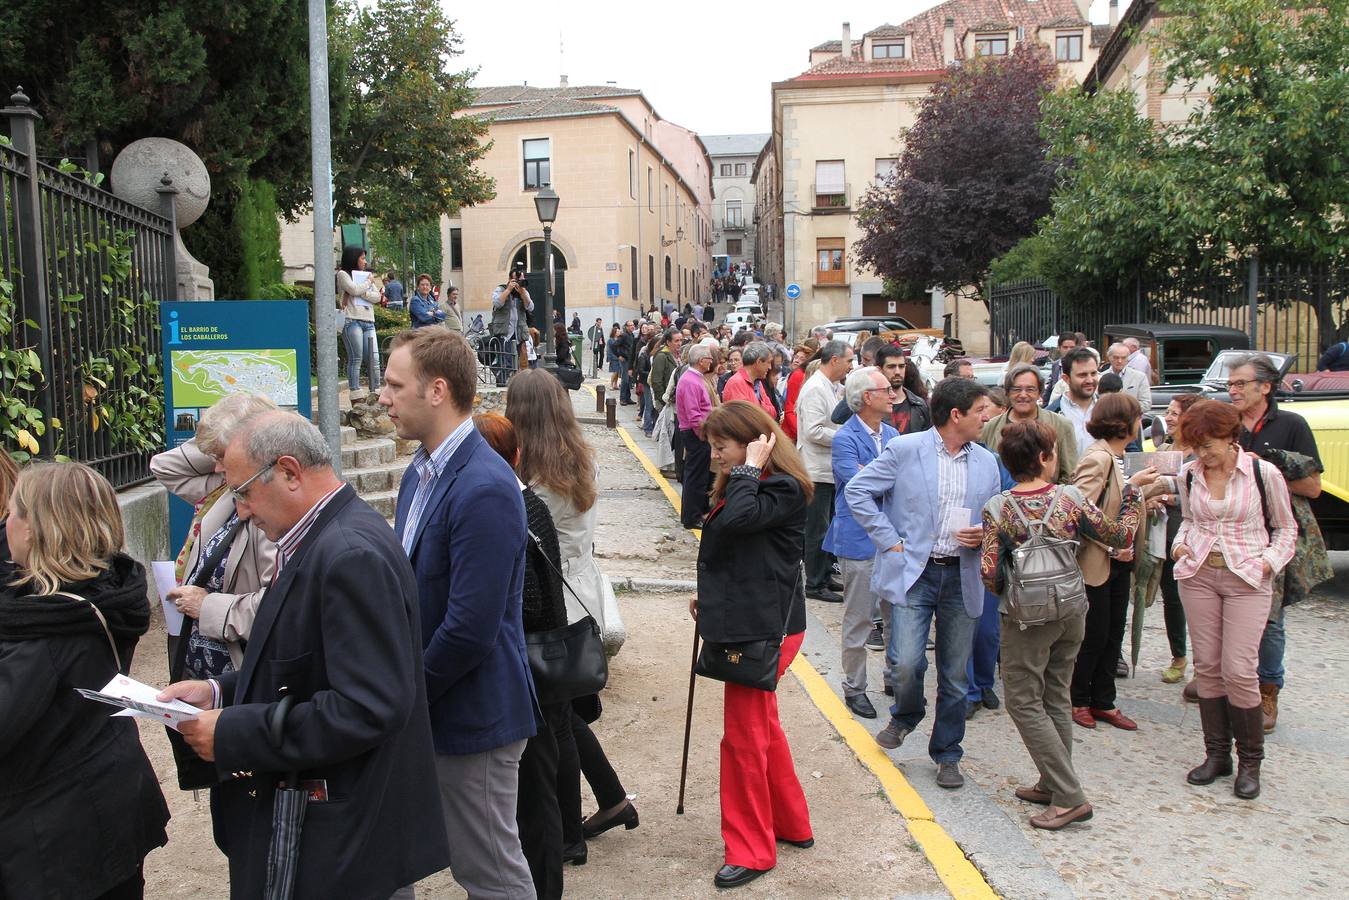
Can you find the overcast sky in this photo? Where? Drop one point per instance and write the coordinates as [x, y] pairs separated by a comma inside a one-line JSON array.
[[709, 66]]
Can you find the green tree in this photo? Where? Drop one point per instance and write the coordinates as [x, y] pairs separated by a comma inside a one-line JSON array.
[[1261, 167], [403, 156]]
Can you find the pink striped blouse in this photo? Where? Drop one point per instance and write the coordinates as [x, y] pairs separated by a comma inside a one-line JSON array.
[[1236, 527]]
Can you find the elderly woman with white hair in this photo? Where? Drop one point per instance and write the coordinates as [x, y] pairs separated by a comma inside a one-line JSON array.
[[695, 397], [224, 565]]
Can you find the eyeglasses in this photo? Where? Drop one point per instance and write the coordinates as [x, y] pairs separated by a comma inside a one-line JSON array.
[[1239, 384], [241, 492], [886, 390], [1031, 391]]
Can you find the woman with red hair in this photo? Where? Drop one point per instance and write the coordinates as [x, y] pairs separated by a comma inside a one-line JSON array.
[[1237, 535]]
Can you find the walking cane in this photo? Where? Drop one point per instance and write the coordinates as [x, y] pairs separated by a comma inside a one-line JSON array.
[[688, 723]]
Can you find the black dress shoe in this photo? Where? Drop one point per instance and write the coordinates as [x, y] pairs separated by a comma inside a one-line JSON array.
[[627, 817], [970, 710], [735, 876], [859, 704], [576, 854], [889, 690], [836, 585], [824, 594], [804, 845], [990, 699]]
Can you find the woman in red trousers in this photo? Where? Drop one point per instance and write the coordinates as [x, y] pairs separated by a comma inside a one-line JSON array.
[[749, 589]]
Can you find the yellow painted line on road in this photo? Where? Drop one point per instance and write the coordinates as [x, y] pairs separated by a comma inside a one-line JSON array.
[[955, 870]]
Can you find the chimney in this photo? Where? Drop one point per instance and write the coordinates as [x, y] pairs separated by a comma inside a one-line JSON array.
[[564, 81], [846, 46], [948, 42], [1114, 13]]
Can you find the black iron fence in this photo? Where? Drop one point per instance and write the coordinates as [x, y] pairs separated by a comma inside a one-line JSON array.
[[1289, 309], [81, 275]]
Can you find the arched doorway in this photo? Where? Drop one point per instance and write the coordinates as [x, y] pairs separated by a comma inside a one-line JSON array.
[[529, 256]]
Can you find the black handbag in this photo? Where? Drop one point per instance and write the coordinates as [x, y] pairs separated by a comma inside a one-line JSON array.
[[567, 662], [751, 664], [195, 773]]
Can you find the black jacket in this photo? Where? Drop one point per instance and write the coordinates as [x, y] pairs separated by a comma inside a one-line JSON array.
[[80, 806], [340, 629], [920, 417], [749, 561]]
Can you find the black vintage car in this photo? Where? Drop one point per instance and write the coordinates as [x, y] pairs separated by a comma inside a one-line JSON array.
[[1180, 354]]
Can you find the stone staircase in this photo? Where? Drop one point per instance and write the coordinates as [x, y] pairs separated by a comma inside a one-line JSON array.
[[374, 467]]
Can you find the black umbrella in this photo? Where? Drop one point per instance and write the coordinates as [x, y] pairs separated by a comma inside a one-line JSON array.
[[288, 806]]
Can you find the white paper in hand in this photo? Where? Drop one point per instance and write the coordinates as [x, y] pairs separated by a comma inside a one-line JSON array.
[[138, 699], [361, 280], [166, 580], [957, 518]]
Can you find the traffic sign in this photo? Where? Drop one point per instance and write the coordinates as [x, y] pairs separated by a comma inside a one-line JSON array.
[[611, 289], [793, 291]]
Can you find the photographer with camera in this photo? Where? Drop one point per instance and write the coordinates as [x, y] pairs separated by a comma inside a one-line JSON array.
[[510, 303]]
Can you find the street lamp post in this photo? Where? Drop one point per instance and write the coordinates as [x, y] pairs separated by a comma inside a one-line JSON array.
[[545, 204]]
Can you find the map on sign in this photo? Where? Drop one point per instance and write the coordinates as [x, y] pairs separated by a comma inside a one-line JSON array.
[[201, 377]]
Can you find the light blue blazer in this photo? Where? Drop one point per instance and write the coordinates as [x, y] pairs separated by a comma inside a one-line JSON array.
[[895, 498]]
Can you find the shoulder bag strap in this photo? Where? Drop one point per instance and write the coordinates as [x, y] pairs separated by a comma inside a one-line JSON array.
[[538, 543], [1021, 514], [107, 632], [222, 550]]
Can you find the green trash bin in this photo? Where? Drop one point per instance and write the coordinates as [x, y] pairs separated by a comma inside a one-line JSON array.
[[576, 342]]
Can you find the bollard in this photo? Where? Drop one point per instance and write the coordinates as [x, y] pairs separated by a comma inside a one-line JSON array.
[[611, 413], [599, 398]]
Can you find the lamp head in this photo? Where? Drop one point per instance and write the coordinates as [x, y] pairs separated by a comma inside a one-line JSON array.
[[545, 204]]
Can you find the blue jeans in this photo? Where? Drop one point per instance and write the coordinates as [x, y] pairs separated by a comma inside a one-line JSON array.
[[648, 409], [361, 344], [1272, 642], [625, 386], [984, 652], [937, 591]]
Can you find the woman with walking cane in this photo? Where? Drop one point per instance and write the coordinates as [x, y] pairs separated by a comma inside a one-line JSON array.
[[750, 613]]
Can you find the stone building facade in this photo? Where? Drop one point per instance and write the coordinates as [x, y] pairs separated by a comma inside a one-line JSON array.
[[733, 203]]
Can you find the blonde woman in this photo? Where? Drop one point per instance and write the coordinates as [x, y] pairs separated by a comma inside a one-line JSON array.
[[557, 464], [9, 473], [1022, 353], [80, 806]]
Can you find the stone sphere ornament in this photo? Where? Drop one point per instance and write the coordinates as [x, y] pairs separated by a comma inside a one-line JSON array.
[[138, 170]]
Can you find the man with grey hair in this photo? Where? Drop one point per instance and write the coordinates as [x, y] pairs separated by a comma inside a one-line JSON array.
[[1138, 360], [748, 382], [1135, 383], [821, 334], [773, 334], [815, 438], [339, 637], [1251, 382], [858, 442]]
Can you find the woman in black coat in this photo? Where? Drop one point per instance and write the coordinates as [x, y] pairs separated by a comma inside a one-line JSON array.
[[749, 589], [80, 806]]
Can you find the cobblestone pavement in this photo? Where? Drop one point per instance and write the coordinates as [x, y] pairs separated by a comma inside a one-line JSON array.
[[1153, 835]]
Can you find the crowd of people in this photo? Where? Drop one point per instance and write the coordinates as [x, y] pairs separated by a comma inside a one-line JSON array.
[[387, 672]]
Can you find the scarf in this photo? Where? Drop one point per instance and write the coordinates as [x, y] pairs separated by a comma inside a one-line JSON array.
[[118, 592]]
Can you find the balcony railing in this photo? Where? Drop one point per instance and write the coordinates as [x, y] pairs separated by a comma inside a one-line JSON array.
[[734, 224], [831, 197]]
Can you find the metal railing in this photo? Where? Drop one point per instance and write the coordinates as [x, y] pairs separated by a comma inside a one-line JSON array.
[[1283, 308], [88, 269], [830, 197]]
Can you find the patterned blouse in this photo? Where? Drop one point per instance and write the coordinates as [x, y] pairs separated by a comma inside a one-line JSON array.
[[1071, 516]]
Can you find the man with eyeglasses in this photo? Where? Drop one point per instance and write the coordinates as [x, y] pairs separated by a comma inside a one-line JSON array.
[[860, 440], [1251, 381], [338, 634], [1024, 387], [908, 411]]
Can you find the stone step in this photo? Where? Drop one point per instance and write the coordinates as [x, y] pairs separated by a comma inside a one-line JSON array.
[[377, 478], [384, 502], [368, 453], [348, 435]]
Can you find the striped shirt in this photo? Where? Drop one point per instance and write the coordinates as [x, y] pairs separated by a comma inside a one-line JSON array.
[[952, 476], [428, 467], [1235, 527]]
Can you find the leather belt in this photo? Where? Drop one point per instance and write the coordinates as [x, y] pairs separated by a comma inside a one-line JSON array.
[[1215, 560], [944, 560]]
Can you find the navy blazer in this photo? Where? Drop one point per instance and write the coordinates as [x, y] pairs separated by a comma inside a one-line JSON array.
[[468, 554], [853, 448], [337, 628]]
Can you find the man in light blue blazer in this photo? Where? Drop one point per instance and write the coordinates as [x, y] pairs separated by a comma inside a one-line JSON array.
[[919, 502], [859, 441]]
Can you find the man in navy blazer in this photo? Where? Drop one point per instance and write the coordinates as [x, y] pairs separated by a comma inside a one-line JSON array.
[[869, 395], [920, 503], [461, 519]]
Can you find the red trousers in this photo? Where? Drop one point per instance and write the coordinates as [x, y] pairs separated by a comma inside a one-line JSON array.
[[761, 798]]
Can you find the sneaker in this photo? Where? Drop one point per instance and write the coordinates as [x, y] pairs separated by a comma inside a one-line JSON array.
[[1173, 673], [892, 735], [990, 699], [948, 776], [876, 640]]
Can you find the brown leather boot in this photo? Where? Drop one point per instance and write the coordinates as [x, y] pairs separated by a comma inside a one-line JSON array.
[[1217, 742], [1248, 729], [1269, 705], [1191, 692]]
